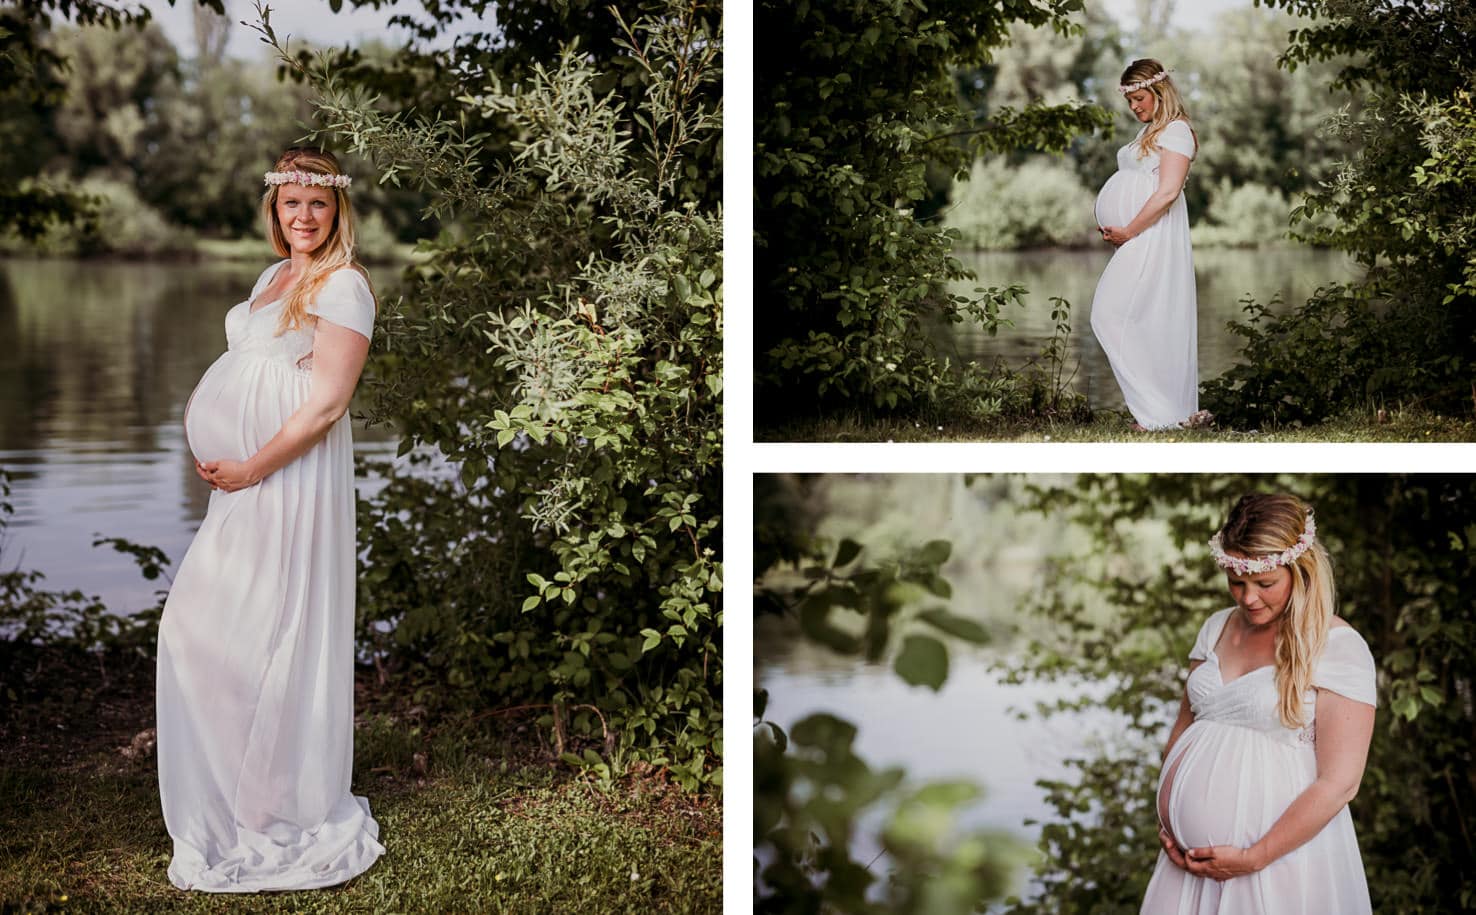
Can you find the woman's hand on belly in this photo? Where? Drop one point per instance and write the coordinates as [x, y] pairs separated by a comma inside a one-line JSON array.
[[1222, 862], [1116, 236], [1171, 848], [227, 476]]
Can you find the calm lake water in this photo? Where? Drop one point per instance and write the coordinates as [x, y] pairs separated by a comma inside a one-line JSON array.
[[969, 730], [1223, 277], [97, 361]]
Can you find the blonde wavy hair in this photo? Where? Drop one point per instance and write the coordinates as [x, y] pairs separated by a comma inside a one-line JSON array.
[[337, 251], [1261, 524], [1169, 107]]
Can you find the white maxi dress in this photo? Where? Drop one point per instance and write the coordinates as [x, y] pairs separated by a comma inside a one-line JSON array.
[[255, 671], [1145, 310], [1236, 769]]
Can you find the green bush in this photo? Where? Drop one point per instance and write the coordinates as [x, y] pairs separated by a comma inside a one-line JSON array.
[[563, 354], [858, 103], [1405, 206], [1244, 215], [124, 224], [1038, 203], [812, 791]]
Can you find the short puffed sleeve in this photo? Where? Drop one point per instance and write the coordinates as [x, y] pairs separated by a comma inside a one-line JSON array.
[[1209, 634], [345, 300], [1347, 667], [1177, 137]]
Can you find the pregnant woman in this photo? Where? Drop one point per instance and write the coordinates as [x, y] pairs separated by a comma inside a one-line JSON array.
[[1144, 312], [1271, 738], [255, 678]]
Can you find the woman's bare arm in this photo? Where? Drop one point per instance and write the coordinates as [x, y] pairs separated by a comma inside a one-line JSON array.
[[1344, 729], [1186, 716], [1173, 168]]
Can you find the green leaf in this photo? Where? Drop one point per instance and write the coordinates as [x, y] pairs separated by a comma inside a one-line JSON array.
[[935, 552], [849, 550], [958, 626], [923, 661]]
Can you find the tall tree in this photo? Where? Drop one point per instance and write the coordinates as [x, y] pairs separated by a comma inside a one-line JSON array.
[[32, 77], [855, 102], [1404, 204]]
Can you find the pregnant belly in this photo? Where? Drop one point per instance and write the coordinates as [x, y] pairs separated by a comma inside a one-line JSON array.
[[1122, 197], [214, 414], [1226, 785], [239, 404]]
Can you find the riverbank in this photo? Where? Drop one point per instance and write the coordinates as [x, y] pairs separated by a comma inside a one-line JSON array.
[[1396, 426], [476, 812], [253, 250]]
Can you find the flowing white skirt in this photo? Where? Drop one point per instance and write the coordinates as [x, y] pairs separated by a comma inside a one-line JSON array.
[[1145, 310], [255, 671]]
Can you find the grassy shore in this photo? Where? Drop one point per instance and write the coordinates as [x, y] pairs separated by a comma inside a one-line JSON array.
[[476, 814], [1396, 426]]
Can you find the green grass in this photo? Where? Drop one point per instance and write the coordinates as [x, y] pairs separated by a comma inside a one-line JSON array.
[[482, 821], [1399, 426]]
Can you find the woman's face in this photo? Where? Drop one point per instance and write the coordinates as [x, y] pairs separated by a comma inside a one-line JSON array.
[[1143, 103], [1262, 596], [306, 215]]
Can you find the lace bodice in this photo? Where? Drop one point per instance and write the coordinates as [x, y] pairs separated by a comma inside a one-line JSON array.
[[1250, 700]]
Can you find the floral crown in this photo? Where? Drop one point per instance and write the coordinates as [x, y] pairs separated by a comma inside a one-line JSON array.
[[1144, 83], [308, 179], [1242, 566]]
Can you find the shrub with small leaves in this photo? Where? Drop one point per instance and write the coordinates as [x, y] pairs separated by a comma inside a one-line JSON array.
[[562, 353]]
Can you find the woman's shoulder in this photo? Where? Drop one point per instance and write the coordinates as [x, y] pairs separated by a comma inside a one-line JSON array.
[[350, 271], [1344, 642]]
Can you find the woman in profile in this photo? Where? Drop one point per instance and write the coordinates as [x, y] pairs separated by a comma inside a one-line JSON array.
[[1271, 738], [256, 647], [1145, 310]]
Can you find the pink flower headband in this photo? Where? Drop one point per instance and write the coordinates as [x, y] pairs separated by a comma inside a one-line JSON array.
[[308, 179], [1242, 566], [1145, 83]]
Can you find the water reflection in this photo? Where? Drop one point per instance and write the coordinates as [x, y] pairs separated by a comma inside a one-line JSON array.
[[96, 363], [1223, 277]]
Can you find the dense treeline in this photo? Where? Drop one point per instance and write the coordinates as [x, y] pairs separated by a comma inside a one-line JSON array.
[[1263, 140], [1403, 202], [159, 137]]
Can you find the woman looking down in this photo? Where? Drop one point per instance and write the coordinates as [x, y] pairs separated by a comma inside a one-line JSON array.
[[1271, 738]]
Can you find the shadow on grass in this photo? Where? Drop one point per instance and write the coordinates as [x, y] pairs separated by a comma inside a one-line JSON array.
[[475, 816]]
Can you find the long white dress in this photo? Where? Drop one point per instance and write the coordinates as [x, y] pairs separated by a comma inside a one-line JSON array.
[[1236, 769], [1145, 310], [255, 672]]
